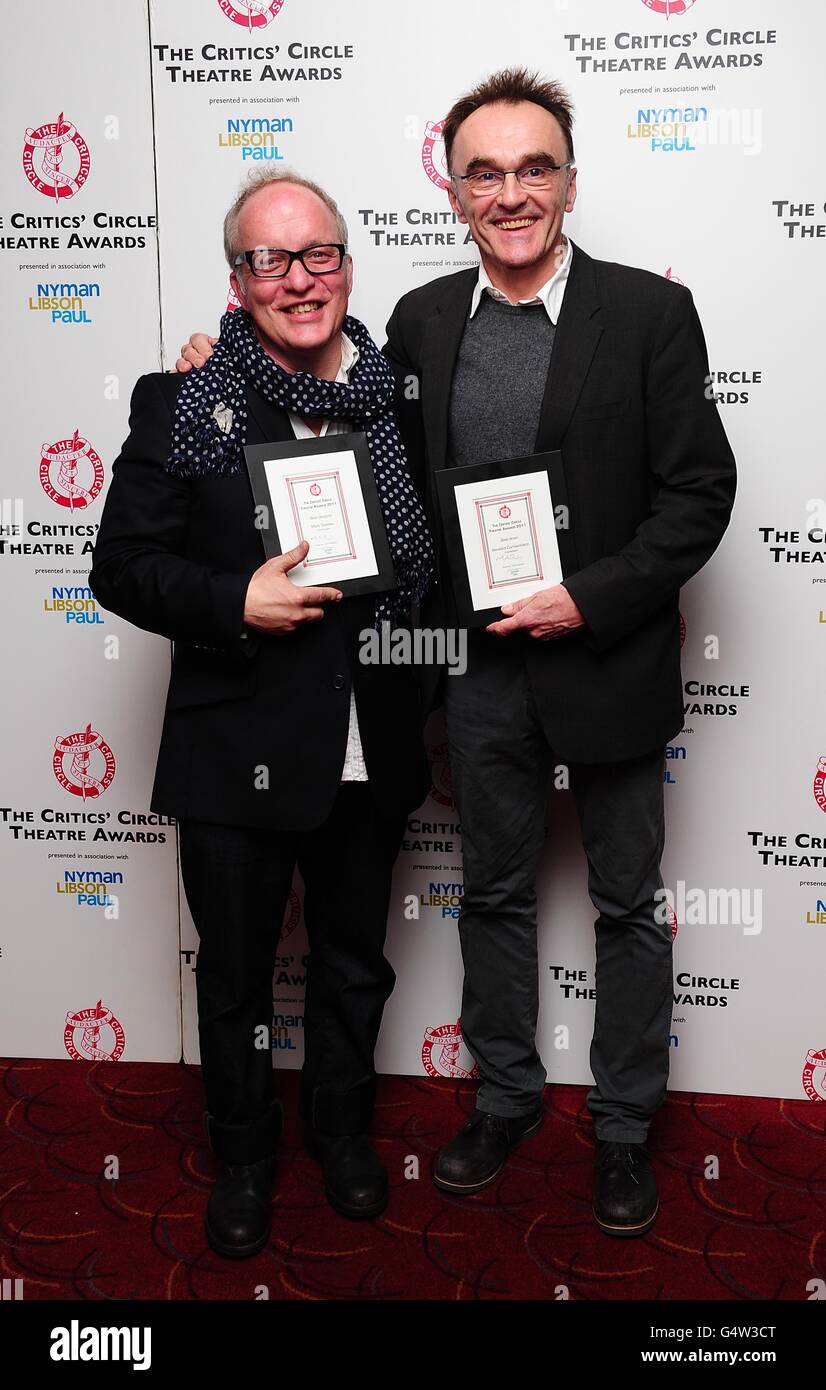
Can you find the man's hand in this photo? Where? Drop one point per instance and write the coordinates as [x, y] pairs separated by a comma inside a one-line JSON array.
[[274, 604], [550, 613], [195, 352]]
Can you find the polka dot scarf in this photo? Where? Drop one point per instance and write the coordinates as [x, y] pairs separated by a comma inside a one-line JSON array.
[[210, 428]]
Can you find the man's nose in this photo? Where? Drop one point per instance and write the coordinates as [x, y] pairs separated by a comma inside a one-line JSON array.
[[298, 278], [511, 193]]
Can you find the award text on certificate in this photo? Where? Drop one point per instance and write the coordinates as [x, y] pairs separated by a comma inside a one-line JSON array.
[[318, 498], [508, 531]]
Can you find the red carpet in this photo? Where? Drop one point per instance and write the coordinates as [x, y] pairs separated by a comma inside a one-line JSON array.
[[758, 1231]]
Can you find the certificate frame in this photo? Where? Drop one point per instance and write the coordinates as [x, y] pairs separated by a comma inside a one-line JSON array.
[[508, 471], [264, 461]]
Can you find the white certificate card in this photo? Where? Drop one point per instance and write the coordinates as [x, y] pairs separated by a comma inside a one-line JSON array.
[[509, 537], [318, 498]]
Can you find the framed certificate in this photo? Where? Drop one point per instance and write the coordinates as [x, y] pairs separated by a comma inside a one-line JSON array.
[[323, 491], [507, 532]]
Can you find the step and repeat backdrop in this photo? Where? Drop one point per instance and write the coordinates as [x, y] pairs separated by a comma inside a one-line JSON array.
[[123, 140]]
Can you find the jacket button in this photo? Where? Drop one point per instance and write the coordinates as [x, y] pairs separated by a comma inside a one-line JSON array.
[[339, 682]]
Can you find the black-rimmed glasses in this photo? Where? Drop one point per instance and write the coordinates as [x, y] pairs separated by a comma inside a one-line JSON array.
[[273, 262]]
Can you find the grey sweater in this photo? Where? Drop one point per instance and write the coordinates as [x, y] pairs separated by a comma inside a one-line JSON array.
[[499, 382]]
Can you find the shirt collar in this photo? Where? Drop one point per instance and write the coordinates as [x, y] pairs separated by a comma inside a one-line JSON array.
[[349, 358], [550, 294]]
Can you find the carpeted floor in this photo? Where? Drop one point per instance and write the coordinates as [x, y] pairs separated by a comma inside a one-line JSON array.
[[755, 1231]]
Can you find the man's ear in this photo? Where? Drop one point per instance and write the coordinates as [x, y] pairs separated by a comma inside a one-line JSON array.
[[570, 198], [238, 287], [455, 204], [348, 259]]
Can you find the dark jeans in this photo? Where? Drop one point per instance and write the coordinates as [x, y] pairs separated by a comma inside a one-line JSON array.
[[501, 761], [237, 881]]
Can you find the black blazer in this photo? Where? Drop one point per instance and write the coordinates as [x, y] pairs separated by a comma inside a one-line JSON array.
[[175, 556], [650, 480]]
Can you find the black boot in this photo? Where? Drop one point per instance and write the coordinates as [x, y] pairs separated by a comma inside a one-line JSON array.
[[355, 1179], [477, 1153], [239, 1211], [625, 1190], [336, 1127]]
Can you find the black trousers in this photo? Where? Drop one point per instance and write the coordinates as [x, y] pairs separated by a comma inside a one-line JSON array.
[[501, 760], [237, 881]]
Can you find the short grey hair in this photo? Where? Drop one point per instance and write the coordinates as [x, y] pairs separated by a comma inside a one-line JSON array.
[[262, 178]]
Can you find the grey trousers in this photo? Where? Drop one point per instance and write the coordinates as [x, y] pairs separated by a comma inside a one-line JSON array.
[[501, 761]]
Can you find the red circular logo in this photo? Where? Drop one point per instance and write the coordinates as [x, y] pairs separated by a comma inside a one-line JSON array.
[[819, 784], [93, 1035], [444, 1053], [253, 14], [669, 7], [433, 154], [441, 788], [91, 763], [814, 1074], [292, 913], [71, 472], [315, 489], [504, 511], [56, 158]]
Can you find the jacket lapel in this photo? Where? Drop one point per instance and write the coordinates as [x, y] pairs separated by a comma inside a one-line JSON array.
[[268, 423], [577, 334], [441, 337]]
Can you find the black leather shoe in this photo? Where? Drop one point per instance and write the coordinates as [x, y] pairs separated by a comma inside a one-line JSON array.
[[239, 1211], [625, 1190], [355, 1179], [473, 1159]]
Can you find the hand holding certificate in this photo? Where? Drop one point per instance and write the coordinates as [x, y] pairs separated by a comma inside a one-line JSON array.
[[273, 604], [550, 613], [504, 539], [323, 491]]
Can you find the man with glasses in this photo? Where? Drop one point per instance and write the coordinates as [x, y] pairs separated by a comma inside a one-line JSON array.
[[279, 747], [545, 348]]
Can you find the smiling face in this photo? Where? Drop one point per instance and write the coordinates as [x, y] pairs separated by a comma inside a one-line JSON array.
[[519, 233], [298, 318]]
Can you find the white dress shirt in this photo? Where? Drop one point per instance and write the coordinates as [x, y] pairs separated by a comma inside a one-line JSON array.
[[550, 294], [355, 768]]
